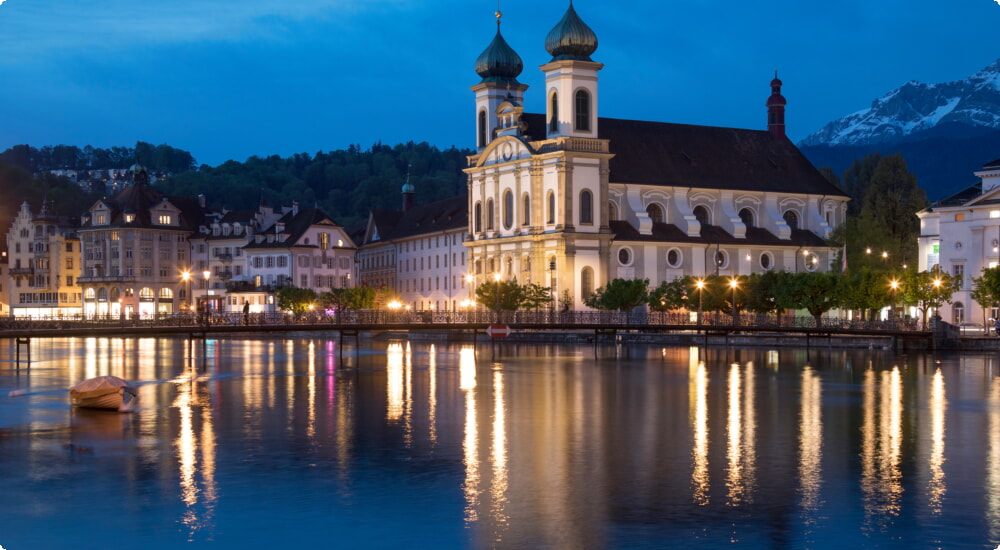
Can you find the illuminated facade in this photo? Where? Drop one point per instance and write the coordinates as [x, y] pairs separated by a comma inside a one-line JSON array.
[[961, 235], [134, 250], [44, 265], [570, 200]]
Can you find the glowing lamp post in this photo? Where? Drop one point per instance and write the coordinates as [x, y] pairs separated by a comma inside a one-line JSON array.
[[733, 283], [496, 290], [186, 278], [701, 290], [894, 285]]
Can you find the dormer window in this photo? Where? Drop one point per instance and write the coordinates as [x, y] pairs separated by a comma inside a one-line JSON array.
[[101, 219], [165, 219], [129, 218]]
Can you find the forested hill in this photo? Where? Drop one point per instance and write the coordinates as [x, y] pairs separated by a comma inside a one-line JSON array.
[[162, 159], [344, 183]]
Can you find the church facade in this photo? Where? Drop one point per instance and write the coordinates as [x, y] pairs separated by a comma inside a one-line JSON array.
[[571, 200]]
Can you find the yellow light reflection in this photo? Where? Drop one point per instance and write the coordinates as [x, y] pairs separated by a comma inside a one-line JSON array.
[[936, 487], [993, 461], [188, 446], [311, 397], [698, 399], [467, 378], [394, 381], [882, 434], [432, 396], [811, 442], [498, 455], [734, 432]]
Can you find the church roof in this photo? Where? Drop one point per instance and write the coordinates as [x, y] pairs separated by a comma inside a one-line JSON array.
[[499, 62], [713, 234], [571, 38], [710, 157]]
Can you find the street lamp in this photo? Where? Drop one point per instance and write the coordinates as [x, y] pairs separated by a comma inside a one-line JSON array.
[[894, 284], [700, 283], [186, 277], [469, 279], [733, 283]]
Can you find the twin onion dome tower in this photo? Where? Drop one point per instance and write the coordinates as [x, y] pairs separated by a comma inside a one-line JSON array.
[[571, 43]]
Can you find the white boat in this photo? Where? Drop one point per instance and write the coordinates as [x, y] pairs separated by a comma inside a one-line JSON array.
[[104, 392]]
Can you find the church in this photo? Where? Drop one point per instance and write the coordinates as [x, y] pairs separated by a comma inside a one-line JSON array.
[[571, 200]]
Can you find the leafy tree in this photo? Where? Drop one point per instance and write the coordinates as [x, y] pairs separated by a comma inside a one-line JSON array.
[[502, 295], [927, 290], [865, 290], [536, 296], [816, 292], [295, 300], [986, 289], [359, 297], [764, 292], [672, 295], [620, 295]]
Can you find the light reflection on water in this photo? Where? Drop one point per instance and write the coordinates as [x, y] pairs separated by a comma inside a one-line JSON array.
[[279, 442]]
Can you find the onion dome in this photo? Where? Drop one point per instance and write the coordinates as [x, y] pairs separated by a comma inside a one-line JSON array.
[[776, 98], [499, 62], [409, 187], [571, 38]]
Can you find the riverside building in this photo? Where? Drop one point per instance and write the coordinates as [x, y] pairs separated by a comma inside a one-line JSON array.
[[570, 200]]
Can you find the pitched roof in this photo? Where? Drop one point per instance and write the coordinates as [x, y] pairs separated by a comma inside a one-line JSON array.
[[713, 234], [138, 199], [444, 215], [685, 155], [295, 226]]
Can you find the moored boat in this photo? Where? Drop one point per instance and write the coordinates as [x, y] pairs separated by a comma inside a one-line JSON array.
[[103, 392]]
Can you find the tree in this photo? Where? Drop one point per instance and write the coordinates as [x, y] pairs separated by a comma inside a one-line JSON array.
[[927, 290], [536, 296], [672, 295], [764, 292], [359, 297], [986, 289], [620, 295], [500, 295], [865, 290], [816, 292], [295, 300]]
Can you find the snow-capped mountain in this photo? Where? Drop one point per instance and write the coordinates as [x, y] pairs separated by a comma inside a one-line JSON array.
[[964, 107]]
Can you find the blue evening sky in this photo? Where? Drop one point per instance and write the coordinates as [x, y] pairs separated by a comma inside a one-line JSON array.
[[226, 79]]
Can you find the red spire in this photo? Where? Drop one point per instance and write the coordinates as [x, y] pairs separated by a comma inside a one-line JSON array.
[[776, 109]]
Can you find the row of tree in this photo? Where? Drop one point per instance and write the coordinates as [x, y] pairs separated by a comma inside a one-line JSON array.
[[157, 158]]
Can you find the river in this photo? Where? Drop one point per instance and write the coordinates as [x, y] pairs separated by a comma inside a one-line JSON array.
[[289, 440]]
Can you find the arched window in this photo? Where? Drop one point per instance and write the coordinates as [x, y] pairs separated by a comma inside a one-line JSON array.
[[554, 114], [655, 213], [582, 111], [478, 217], [115, 294], [792, 219], [527, 210], [508, 209], [586, 282], [551, 217], [746, 216], [586, 207], [482, 128], [166, 294], [489, 214], [102, 295], [702, 215], [612, 211]]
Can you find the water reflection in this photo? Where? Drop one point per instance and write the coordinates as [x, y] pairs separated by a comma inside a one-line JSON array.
[[811, 443], [544, 447]]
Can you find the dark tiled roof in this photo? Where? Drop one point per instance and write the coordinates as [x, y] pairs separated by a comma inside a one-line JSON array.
[[713, 234], [992, 164], [295, 227], [443, 215], [138, 199], [685, 155]]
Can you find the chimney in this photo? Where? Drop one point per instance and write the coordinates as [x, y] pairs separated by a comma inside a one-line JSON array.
[[776, 110], [201, 201], [295, 208]]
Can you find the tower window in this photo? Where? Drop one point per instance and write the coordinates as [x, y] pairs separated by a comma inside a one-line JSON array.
[[489, 214], [508, 209], [482, 128], [586, 207], [583, 111], [746, 216], [554, 115], [792, 219], [527, 209], [655, 213], [551, 218], [478, 216], [701, 214]]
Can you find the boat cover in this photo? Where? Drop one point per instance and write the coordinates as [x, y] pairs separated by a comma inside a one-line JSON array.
[[101, 385]]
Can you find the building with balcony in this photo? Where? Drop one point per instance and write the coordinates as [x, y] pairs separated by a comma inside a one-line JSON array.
[[135, 250], [43, 265], [570, 200]]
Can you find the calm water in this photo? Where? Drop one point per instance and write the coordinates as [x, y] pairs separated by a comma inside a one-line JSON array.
[[272, 443]]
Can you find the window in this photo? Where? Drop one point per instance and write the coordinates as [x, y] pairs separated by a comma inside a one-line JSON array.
[[129, 218], [583, 111], [526, 210], [101, 219], [324, 241], [586, 207], [554, 114], [766, 261], [625, 256], [674, 257], [586, 282], [702, 215], [164, 219], [489, 217], [958, 272], [551, 217], [655, 213], [746, 216], [482, 128], [792, 219], [958, 313], [721, 259], [508, 209], [959, 217]]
